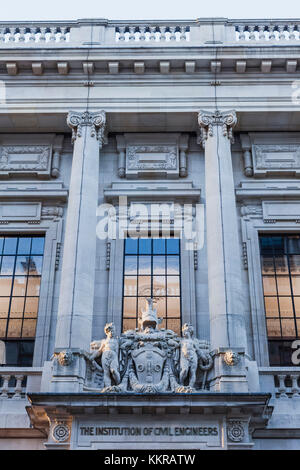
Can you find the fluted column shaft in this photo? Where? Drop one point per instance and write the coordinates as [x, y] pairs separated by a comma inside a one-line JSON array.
[[75, 309], [227, 327]]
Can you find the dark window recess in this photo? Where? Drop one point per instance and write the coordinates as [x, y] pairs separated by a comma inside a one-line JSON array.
[[152, 269], [280, 263], [21, 260]]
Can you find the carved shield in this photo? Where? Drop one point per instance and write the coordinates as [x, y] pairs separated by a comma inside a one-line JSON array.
[[149, 363]]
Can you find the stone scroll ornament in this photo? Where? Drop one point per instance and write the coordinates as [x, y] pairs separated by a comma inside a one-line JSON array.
[[207, 121], [148, 359], [95, 121]]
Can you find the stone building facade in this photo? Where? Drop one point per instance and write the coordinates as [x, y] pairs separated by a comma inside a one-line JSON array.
[[149, 187]]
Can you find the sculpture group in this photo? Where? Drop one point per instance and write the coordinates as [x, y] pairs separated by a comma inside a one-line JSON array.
[[148, 359]]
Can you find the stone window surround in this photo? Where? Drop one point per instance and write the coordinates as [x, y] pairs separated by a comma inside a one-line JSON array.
[[52, 231], [254, 225]]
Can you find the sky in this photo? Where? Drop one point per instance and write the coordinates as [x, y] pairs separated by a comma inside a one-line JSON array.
[[32, 10]]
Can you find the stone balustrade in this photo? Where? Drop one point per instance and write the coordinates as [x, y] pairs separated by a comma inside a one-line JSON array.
[[267, 31], [102, 32], [284, 381], [15, 382], [30, 34], [152, 33]]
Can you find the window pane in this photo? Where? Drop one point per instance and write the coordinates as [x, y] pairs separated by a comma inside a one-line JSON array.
[[129, 324], [172, 246], [281, 264], [269, 284], [7, 266], [293, 244], [131, 246], [296, 285], [144, 264], [288, 328], [24, 245], [295, 264], [1, 244], [31, 306], [28, 330], [5, 286], [130, 285], [267, 264], [174, 324], [173, 265], [17, 307], [130, 266], [4, 306], [37, 245], [283, 285], [286, 307], [160, 306], [33, 287], [19, 288], [10, 246], [297, 306], [273, 328], [159, 285], [271, 306], [14, 328], [144, 285], [159, 246], [173, 285], [159, 263], [35, 265], [22, 265], [3, 328], [129, 307], [145, 246], [173, 304]]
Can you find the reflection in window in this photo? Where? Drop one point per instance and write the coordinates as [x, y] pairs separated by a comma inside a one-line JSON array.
[[152, 269], [21, 261], [280, 261]]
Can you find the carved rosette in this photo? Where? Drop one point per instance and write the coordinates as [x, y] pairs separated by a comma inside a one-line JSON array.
[[96, 121], [61, 432], [208, 120], [235, 431]]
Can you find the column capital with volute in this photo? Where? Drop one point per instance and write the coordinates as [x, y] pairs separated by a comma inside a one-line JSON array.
[[76, 120], [208, 119]]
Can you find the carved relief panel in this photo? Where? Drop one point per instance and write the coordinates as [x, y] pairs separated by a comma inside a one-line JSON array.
[[152, 155], [30, 155], [273, 154]]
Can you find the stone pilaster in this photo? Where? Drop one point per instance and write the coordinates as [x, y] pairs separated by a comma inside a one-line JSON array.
[[75, 309], [227, 327]]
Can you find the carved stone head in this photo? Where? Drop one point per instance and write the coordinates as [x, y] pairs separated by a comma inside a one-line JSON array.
[[187, 331], [110, 330]]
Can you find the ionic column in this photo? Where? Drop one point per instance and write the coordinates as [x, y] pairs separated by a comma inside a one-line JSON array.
[[226, 309], [75, 308]]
